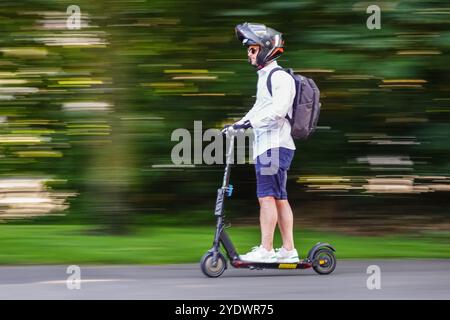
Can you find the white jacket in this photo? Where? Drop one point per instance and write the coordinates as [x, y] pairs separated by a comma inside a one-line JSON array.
[[268, 114]]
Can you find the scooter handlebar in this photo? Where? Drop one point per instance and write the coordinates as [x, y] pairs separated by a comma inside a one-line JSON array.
[[230, 131], [235, 128], [224, 130]]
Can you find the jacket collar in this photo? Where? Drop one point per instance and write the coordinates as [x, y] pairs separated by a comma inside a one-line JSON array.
[[268, 68]]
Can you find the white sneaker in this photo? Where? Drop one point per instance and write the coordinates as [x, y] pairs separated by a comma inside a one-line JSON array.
[[260, 254], [285, 256]]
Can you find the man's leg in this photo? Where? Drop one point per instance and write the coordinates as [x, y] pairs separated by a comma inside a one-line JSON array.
[[268, 221], [285, 223]]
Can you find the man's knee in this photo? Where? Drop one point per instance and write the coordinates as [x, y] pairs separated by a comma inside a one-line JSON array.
[[281, 203], [266, 201]]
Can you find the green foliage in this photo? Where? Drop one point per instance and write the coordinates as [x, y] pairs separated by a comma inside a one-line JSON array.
[[142, 61]]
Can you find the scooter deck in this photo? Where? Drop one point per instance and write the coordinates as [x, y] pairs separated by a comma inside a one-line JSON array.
[[302, 264]]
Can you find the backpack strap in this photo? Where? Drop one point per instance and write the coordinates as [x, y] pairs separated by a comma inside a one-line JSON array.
[[269, 77], [269, 85]]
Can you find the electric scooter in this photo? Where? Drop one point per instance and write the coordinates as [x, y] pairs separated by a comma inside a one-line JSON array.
[[320, 257]]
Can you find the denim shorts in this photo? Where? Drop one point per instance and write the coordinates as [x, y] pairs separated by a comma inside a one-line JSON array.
[[271, 172]]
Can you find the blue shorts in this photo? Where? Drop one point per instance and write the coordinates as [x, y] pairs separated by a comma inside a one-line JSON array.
[[271, 172]]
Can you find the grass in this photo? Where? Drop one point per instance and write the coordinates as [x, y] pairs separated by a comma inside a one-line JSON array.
[[69, 244]]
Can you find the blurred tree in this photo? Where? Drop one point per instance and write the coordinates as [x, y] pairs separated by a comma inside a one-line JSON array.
[[103, 101]]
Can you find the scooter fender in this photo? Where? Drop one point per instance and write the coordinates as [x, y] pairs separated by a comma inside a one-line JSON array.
[[317, 247]]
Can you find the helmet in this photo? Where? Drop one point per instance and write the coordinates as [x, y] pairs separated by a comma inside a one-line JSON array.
[[269, 41]]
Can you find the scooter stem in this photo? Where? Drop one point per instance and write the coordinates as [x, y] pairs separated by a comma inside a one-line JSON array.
[[229, 159]]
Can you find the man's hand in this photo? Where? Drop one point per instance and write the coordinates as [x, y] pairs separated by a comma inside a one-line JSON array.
[[242, 125], [226, 128], [233, 128]]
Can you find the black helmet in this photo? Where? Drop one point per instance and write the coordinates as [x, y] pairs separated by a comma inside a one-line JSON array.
[[269, 40]]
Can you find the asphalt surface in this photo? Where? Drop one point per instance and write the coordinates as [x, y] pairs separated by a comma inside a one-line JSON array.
[[400, 279]]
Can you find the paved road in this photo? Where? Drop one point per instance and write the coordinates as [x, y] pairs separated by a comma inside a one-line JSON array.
[[400, 279]]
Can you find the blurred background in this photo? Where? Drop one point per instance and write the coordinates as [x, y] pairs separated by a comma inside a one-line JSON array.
[[86, 117]]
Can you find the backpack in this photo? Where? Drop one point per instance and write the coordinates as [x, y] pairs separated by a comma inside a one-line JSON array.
[[306, 105]]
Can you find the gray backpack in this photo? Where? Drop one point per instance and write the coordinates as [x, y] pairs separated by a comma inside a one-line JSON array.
[[306, 105]]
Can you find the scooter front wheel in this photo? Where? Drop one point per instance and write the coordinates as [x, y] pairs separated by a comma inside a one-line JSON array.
[[208, 267], [324, 261]]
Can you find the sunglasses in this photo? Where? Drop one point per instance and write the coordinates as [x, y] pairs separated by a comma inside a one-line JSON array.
[[252, 50]]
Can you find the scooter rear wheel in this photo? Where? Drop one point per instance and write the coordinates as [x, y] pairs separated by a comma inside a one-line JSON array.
[[206, 264], [324, 261]]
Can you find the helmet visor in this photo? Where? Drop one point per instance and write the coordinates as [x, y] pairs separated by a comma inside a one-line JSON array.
[[250, 34]]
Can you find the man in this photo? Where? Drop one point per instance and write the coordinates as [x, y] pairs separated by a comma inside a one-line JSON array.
[[273, 147]]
